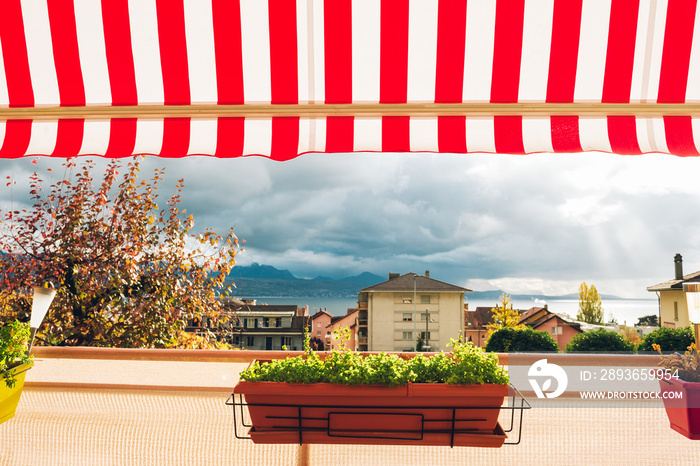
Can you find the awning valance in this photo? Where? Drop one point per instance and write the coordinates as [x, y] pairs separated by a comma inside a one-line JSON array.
[[283, 77]]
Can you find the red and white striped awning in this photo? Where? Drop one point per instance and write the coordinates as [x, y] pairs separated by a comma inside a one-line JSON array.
[[283, 77]]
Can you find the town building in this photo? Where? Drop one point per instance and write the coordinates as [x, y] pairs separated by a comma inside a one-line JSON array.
[[560, 329], [538, 318], [269, 327], [673, 307], [393, 314], [475, 323], [323, 325]]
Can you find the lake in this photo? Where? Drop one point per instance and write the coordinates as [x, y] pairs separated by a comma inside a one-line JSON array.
[[625, 311]]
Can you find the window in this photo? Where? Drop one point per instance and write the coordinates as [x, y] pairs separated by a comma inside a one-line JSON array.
[[422, 336], [408, 317], [425, 299], [318, 324], [286, 341], [407, 336], [556, 330], [407, 300], [318, 334], [251, 342], [675, 310]]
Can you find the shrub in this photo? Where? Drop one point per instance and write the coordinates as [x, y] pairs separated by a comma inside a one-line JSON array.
[[601, 340], [465, 365], [520, 340], [14, 342], [668, 339]]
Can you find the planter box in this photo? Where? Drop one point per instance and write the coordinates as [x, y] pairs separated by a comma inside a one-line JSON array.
[[9, 397], [683, 412], [421, 414]]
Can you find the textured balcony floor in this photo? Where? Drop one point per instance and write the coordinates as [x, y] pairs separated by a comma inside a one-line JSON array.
[[67, 424]]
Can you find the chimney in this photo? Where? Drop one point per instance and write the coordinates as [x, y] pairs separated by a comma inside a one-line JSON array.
[[393, 275], [427, 274], [678, 262]]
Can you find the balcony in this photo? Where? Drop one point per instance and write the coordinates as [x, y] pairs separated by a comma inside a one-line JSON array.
[[119, 406]]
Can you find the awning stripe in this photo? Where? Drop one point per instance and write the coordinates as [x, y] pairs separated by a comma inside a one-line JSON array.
[[507, 54], [449, 73], [15, 71], [563, 57], [118, 49], [338, 72], [229, 60], [673, 78], [270, 77]]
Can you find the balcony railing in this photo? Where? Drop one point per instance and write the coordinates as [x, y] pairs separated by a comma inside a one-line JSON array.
[[174, 400]]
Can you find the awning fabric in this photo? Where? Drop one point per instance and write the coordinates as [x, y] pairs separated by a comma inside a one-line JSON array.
[[283, 77]]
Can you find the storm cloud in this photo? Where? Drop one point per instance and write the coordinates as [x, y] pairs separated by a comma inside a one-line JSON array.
[[525, 224]]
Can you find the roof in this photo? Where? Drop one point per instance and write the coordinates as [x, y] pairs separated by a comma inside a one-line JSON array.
[[479, 317], [118, 78], [677, 284], [411, 281], [537, 316], [320, 313]]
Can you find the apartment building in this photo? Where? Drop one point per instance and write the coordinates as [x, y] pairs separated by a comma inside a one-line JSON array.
[[392, 315]]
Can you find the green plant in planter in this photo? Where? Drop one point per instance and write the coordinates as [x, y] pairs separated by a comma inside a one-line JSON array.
[[14, 340], [465, 364]]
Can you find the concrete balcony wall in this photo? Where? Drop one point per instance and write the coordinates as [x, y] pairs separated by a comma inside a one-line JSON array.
[[118, 406]]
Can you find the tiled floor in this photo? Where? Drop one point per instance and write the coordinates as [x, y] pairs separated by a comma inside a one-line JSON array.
[[73, 426]]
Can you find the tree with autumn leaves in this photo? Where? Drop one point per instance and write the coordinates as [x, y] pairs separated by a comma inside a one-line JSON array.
[[128, 272], [504, 316]]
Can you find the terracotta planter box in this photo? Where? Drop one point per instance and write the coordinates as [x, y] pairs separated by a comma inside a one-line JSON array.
[[683, 412], [9, 397], [421, 414]]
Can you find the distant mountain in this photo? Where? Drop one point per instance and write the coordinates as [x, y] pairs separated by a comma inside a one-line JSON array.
[[258, 280], [496, 294], [256, 270], [365, 278], [267, 281]]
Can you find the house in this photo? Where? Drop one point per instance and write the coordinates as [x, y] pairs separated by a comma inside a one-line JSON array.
[[475, 323], [324, 324], [673, 307], [318, 329], [269, 327], [393, 314], [541, 319]]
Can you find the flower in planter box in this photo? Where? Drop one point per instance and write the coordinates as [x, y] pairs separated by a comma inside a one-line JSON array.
[[687, 364]]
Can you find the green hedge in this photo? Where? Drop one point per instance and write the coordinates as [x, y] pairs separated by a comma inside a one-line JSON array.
[[602, 341], [521, 340], [669, 339]]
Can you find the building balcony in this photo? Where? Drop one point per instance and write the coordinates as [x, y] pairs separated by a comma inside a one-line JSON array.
[[120, 406], [362, 321]]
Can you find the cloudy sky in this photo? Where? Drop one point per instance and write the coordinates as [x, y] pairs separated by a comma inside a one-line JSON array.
[[524, 224]]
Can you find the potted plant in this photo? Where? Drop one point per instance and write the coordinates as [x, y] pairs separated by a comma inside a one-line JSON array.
[[14, 363], [680, 388], [346, 397]]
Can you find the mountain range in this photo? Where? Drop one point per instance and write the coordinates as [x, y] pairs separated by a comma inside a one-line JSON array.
[[258, 280]]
